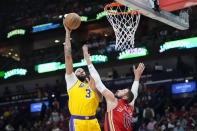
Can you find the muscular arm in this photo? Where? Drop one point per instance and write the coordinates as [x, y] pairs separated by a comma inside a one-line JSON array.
[[109, 96], [67, 53], [70, 77]]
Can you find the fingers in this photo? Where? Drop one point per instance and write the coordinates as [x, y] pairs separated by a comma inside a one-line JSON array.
[[87, 80], [66, 28], [134, 67], [85, 51], [141, 67]]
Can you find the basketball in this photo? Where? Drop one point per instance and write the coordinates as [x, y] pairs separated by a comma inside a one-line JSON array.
[[72, 21]]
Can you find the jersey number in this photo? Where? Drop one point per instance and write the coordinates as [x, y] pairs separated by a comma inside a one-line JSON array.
[[88, 93], [127, 121]]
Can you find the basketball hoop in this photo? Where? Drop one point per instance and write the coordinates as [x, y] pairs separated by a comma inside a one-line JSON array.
[[124, 22]]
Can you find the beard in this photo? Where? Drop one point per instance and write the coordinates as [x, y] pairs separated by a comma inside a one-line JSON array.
[[118, 97], [82, 78]]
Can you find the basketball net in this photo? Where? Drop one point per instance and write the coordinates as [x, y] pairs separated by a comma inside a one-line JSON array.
[[124, 22]]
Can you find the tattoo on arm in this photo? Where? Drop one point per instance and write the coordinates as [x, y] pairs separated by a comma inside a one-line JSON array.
[[67, 46]]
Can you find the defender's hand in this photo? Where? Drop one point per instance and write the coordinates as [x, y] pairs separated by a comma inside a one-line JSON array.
[[138, 72], [85, 52]]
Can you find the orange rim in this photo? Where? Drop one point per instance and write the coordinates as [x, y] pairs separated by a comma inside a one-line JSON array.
[[118, 13]]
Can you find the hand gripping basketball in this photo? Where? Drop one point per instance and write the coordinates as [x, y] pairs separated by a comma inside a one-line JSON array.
[[72, 21]]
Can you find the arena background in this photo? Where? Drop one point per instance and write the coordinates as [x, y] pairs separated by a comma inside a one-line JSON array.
[[32, 66]]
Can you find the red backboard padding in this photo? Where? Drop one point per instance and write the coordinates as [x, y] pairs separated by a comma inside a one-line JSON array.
[[172, 5]]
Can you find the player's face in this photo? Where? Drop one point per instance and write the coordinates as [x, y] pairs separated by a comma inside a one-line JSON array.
[[81, 75], [121, 93], [80, 72]]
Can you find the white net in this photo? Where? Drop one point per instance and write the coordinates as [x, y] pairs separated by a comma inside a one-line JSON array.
[[124, 22]]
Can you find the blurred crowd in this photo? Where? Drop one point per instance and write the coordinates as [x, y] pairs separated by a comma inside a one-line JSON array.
[[155, 110], [22, 13]]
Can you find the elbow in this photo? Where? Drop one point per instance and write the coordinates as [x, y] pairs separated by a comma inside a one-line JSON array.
[[135, 94]]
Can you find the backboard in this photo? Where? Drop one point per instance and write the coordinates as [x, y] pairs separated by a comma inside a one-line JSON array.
[[151, 8]]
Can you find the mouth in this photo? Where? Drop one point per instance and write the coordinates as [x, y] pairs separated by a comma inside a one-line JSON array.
[[82, 74]]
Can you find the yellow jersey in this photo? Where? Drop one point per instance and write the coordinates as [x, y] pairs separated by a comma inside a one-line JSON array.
[[82, 100]]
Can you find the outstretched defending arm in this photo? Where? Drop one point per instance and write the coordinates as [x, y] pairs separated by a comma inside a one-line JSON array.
[[91, 82], [109, 96], [137, 72]]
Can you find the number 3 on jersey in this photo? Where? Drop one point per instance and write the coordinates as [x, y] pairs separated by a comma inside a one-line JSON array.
[[88, 91], [127, 121]]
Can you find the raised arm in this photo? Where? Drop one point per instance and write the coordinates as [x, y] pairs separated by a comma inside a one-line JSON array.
[[70, 77], [67, 52], [137, 72], [109, 96]]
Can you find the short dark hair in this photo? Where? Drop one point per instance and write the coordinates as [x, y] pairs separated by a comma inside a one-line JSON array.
[[130, 96]]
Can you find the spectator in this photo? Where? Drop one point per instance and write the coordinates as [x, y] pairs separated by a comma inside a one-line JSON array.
[[178, 127], [55, 104], [156, 127], [9, 127], [142, 127], [151, 124], [55, 116], [148, 114], [43, 111]]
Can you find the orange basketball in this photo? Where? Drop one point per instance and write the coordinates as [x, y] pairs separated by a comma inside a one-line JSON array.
[[72, 21]]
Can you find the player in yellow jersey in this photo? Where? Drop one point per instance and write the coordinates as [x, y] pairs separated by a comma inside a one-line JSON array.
[[83, 96]]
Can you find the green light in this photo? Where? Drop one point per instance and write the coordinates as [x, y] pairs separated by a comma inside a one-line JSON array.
[[100, 15], [2, 73], [98, 58], [62, 66], [79, 64], [15, 72], [16, 32], [84, 18], [43, 25], [53, 66], [180, 44], [131, 53], [130, 9], [48, 67]]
